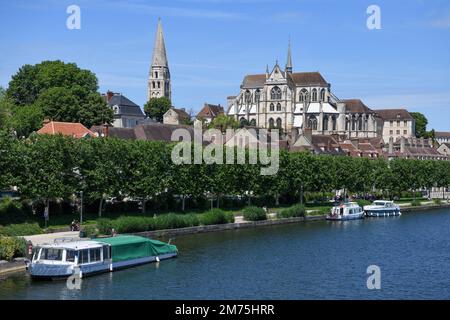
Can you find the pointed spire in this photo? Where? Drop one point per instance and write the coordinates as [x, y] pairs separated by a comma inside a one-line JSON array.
[[159, 50], [289, 58]]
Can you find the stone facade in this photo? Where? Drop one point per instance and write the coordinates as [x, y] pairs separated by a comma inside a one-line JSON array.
[[295, 101], [159, 76], [175, 116], [397, 123]]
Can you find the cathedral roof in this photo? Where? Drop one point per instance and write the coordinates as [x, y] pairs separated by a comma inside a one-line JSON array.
[[394, 114], [159, 49], [356, 106], [299, 79]]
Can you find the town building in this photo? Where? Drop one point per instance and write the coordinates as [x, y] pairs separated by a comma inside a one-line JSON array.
[[209, 112], [442, 137], [412, 148], [397, 123], [444, 149], [127, 114], [294, 101], [72, 129], [159, 84], [176, 116]]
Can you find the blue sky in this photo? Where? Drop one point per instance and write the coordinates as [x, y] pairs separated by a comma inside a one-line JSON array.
[[212, 44]]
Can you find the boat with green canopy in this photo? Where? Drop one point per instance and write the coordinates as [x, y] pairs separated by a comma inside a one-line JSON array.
[[88, 257]]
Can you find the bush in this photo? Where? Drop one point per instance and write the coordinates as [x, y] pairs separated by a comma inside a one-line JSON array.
[[416, 203], [254, 214], [297, 210], [9, 206], [216, 216], [11, 247], [105, 226], [437, 201], [90, 231], [173, 221], [126, 224], [23, 229]]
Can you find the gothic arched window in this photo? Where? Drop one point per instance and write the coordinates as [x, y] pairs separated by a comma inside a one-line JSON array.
[[347, 123], [322, 95], [248, 96], [312, 122], [353, 123], [154, 84], [303, 95], [325, 123], [333, 123], [275, 93], [360, 123], [314, 95], [278, 106], [156, 74], [257, 95], [272, 107], [271, 123], [253, 122], [279, 123]]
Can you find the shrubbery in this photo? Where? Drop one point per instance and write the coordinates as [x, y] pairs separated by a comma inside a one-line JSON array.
[[23, 229], [11, 247], [297, 210], [254, 214], [416, 203], [437, 201], [216, 216]]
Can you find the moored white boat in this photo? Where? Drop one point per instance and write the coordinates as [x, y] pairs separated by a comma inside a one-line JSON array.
[[61, 260], [346, 211], [382, 208]]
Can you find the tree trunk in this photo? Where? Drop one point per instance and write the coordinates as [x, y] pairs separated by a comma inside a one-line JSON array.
[[249, 201], [143, 205], [218, 201], [277, 200], [183, 202], [100, 207]]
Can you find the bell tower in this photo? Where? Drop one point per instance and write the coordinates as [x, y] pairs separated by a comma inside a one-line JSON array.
[[159, 75]]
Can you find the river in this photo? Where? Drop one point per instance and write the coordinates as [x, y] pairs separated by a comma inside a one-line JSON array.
[[315, 260]]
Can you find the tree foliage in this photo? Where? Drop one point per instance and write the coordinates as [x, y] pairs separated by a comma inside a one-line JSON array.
[[155, 108]]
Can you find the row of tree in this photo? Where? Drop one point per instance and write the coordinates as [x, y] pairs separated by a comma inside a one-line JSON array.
[[56, 167]]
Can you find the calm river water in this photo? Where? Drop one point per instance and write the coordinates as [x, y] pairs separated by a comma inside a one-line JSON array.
[[317, 260]]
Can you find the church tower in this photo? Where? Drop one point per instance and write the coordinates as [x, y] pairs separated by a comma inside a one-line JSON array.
[[289, 59], [159, 75]]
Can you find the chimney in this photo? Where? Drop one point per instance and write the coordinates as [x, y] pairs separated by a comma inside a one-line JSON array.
[[105, 130], [109, 95], [391, 145], [402, 145]]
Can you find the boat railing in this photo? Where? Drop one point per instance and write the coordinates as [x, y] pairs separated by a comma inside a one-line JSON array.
[[68, 239]]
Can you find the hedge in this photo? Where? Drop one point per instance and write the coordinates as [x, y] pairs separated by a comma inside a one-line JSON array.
[[297, 210], [254, 214], [11, 247], [23, 229], [216, 216]]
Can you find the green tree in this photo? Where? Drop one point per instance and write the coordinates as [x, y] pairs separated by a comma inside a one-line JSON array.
[[421, 124], [26, 119], [32, 80], [74, 104], [5, 108], [47, 168], [155, 108], [224, 122]]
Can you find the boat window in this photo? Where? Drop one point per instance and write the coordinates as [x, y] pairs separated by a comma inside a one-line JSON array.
[[83, 256], [95, 255], [51, 254], [70, 255], [105, 252]]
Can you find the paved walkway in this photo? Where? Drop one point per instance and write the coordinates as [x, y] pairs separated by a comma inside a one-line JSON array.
[[50, 237]]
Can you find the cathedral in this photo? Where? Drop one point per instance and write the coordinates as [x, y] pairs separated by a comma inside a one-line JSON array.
[[159, 76], [294, 101]]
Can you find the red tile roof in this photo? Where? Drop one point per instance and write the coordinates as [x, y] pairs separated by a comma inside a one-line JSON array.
[[72, 129], [394, 114]]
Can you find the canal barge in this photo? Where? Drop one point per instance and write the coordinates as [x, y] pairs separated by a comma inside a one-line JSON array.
[[88, 257], [346, 211], [382, 208]]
